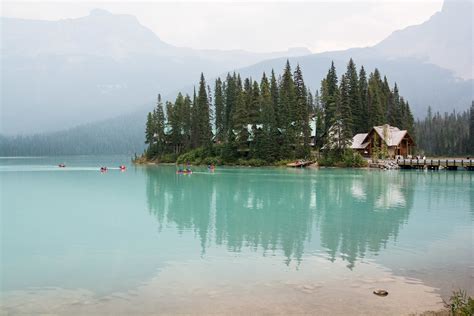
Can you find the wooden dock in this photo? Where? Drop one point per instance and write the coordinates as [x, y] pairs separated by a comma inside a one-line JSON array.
[[436, 164]]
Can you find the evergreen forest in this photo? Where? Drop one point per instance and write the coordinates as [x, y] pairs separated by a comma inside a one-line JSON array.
[[276, 119], [448, 134]]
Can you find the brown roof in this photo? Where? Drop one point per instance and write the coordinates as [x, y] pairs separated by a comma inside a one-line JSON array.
[[391, 135]]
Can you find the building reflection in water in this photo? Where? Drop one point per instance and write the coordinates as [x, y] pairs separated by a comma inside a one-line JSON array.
[[354, 212]]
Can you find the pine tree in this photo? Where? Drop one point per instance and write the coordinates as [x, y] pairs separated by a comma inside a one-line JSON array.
[[364, 122], [220, 111], [204, 124], [248, 94], [344, 112], [275, 98], [286, 112], [195, 131], [394, 115], [266, 138], [186, 123], [255, 107], [240, 118], [329, 97], [375, 99], [301, 116], [230, 100], [410, 121], [149, 132], [386, 99], [354, 100], [159, 122], [173, 123]]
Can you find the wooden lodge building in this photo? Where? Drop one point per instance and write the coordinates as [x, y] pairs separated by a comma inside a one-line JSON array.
[[396, 141]]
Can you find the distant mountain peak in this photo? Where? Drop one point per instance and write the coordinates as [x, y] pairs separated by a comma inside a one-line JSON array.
[[444, 40], [99, 12], [298, 51]]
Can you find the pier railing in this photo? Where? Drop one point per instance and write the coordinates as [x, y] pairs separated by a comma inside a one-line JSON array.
[[435, 164]]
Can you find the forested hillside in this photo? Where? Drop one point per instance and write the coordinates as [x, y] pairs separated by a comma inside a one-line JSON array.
[[448, 134], [122, 135]]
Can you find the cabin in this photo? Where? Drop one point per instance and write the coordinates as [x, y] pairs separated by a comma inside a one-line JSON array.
[[397, 142]]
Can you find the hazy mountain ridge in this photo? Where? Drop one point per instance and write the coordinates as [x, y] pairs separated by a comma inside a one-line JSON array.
[[444, 40], [126, 83], [100, 65], [428, 61]]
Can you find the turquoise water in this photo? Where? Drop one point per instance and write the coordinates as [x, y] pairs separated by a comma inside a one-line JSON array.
[[116, 232]]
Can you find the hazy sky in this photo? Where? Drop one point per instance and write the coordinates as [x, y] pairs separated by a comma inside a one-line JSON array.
[[256, 26]]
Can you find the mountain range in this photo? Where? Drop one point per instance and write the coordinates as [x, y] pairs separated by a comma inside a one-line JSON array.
[[56, 74]]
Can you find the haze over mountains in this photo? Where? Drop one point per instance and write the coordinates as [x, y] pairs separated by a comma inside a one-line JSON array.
[[59, 74], [79, 70]]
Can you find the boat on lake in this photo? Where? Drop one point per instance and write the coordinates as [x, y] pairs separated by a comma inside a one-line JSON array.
[[299, 163]]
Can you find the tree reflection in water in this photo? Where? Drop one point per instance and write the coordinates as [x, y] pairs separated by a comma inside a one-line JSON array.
[[354, 212]]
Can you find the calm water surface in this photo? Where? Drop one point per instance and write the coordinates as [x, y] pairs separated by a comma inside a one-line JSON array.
[[75, 240]]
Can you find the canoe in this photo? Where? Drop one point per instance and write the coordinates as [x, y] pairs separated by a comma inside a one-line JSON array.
[[297, 164]]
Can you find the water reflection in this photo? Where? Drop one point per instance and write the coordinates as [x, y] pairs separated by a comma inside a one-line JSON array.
[[353, 213]]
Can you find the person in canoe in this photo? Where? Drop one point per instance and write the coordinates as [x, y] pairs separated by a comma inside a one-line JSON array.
[[123, 168], [103, 169], [62, 165]]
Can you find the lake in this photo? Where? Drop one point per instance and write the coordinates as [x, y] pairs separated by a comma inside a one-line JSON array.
[[237, 240]]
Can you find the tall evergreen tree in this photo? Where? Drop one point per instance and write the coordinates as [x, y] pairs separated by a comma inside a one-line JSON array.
[[219, 111], [387, 98], [267, 137], [195, 130], [248, 95], [364, 123], [186, 117], [204, 124], [230, 100], [301, 116], [329, 97], [255, 107], [354, 99], [393, 108], [173, 123], [159, 122], [286, 112], [275, 98], [375, 99], [149, 130], [344, 112], [240, 117]]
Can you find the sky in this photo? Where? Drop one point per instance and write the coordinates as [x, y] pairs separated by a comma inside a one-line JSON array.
[[263, 26]]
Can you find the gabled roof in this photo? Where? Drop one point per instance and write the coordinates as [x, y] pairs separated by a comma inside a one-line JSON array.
[[391, 135], [358, 141]]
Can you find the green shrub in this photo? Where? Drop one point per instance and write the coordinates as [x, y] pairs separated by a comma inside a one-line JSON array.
[[353, 159], [461, 304], [349, 159], [193, 156], [212, 161], [167, 158], [251, 162]]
